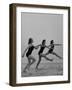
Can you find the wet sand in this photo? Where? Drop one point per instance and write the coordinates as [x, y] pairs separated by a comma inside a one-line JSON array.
[[45, 69]]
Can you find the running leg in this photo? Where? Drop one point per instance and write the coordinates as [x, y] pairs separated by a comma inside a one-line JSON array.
[[42, 55], [56, 55], [31, 62], [27, 64], [38, 62]]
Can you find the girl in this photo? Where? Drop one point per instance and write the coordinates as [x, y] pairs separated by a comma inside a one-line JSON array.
[[28, 52], [42, 47], [51, 48]]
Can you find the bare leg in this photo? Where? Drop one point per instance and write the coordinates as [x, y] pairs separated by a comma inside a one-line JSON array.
[[27, 65], [38, 62], [56, 55], [31, 62], [46, 53], [42, 55]]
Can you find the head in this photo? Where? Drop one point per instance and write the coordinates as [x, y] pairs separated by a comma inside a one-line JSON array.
[[52, 41], [43, 42], [30, 41]]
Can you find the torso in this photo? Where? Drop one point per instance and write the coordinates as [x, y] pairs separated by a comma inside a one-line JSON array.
[[29, 52], [52, 48], [41, 50]]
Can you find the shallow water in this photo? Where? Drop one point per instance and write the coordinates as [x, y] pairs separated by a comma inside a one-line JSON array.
[[45, 69]]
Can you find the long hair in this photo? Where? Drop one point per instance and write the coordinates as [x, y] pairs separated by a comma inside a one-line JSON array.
[[30, 41], [43, 42], [52, 41]]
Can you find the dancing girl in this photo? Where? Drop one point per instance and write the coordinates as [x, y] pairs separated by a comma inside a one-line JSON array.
[[28, 52], [51, 49], [40, 53]]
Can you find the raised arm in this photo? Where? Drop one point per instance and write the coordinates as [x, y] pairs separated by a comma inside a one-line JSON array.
[[25, 52]]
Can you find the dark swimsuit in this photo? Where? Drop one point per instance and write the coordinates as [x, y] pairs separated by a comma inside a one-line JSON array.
[[51, 49], [30, 51], [41, 50]]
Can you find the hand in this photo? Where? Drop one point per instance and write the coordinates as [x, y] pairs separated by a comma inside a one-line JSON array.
[[36, 47]]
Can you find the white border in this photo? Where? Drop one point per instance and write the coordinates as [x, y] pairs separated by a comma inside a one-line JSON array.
[[20, 79]]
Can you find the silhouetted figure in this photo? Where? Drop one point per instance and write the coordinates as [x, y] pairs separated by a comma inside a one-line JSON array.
[[51, 48], [42, 47], [28, 52]]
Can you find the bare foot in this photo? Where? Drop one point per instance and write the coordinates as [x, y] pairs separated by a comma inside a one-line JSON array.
[[24, 71]]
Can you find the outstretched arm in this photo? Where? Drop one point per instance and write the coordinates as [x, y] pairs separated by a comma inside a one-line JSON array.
[[25, 51], [48, 46], [58, 44], [36, 47]]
